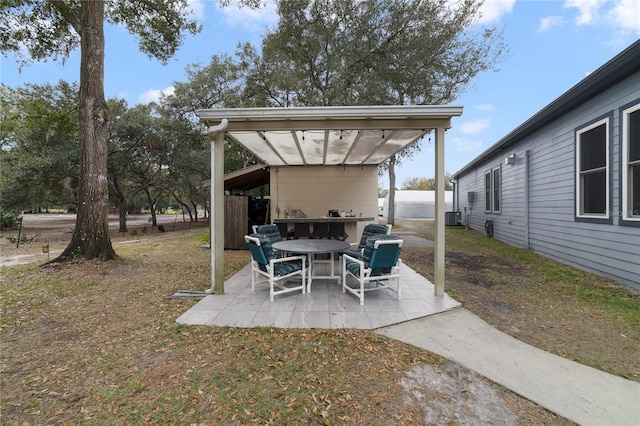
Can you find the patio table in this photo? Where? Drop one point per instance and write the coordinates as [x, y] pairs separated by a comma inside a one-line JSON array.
[[311, 248]]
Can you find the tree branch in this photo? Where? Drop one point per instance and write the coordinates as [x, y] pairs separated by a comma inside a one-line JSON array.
[[68, 13]]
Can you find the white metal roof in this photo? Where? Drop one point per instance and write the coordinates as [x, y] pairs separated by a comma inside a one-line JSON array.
[[329, 135]]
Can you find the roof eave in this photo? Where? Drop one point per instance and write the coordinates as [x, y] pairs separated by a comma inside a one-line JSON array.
[[614, 71], [311, 118]]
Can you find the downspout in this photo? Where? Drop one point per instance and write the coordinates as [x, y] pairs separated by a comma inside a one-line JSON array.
[[216, 218], [526, 199], [456, 203]]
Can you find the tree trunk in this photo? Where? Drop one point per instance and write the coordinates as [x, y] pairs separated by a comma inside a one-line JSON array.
[[122, 215], [122, 203], [195, 210], [184, 207], [391, 212], [152, 207], [91, 234]]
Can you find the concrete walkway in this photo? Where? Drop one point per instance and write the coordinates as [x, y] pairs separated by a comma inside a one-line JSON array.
[[582, 394]]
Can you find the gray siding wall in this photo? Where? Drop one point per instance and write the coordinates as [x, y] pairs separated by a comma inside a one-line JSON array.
[[604, 248]]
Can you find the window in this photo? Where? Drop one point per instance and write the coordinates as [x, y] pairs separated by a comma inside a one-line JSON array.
[[496, 190], [492, 191], [487, 192], [631, 163], [592, 172]]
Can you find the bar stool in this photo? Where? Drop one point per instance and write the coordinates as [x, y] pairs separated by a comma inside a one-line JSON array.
[[301, 230], [284, 231], [336, 231], [320, 230]]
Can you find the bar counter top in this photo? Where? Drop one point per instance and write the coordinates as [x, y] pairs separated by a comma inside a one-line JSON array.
[[323, 219]]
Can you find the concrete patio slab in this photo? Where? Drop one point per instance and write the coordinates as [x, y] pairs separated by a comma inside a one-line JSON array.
[[325, 307]]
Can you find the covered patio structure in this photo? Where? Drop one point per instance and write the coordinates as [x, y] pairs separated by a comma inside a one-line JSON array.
[[358, 136]]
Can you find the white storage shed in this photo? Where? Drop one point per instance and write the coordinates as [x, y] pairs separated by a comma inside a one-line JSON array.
[[412, 204]]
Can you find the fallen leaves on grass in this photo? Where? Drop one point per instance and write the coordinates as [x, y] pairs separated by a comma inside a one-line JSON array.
[[97, 342]]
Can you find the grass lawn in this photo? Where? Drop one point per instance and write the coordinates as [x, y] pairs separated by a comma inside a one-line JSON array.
[[97, 343], [577, 315]]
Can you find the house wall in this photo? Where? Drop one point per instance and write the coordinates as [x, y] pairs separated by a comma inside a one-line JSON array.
[[541, 216], [317, 189]]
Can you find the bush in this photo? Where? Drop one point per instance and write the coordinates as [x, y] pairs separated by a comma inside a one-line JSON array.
[[204, 239], [7, 220]]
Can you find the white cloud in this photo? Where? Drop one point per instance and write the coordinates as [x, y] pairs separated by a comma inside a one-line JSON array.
[[587, 9], [153, 95], [467, 145], [485, 107], [250, 19], [494, 10], [473, 127], [197, 9], [625, 14], [621, 15], [550, 21]]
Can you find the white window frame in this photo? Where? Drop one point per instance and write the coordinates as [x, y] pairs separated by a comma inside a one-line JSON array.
[[490, 190], [627, 174], [496, 192], [579, 174], [488, 193]]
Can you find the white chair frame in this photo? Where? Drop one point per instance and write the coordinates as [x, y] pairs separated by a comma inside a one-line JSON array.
[[273, 280], [381, 281]]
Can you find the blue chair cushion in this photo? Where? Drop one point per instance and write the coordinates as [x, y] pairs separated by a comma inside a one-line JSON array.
[[353, 267], [285, 268], [369, 231], [267, 250], [386, 256], [272, 232], [353, 253]]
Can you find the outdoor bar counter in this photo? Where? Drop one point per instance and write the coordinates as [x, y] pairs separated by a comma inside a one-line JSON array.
[[334, 227]]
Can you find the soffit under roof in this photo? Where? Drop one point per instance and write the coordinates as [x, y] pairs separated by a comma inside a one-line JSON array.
[[358, 135], [247, 178]]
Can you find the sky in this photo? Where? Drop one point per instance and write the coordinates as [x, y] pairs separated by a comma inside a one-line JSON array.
[[553, 45]]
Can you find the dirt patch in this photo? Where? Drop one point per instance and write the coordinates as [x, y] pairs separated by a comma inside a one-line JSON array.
[[454, 395]]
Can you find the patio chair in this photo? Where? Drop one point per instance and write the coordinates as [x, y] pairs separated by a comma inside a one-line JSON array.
[[272, 269], [370, 230], [379, 266], [271, 231]]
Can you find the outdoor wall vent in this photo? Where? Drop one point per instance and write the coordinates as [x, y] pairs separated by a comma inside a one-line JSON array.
[[510, 160]]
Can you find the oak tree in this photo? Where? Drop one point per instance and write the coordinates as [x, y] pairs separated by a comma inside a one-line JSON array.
[[52, 29], [373, 52], [38, 147]]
